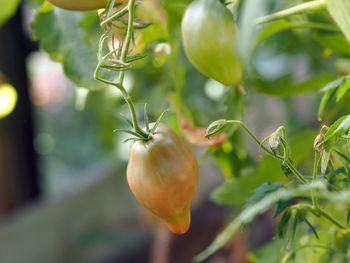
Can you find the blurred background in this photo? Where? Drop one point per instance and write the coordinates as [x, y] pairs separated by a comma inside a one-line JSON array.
[[63, 190]]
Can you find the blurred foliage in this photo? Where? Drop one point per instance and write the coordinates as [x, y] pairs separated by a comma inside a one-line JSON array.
[[8, 9]]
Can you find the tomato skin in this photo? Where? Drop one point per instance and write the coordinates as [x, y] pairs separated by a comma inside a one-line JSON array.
[[163, 174], [209, 36], [80, 5]]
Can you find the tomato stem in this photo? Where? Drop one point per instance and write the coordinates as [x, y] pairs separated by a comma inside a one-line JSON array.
[[124, 54], [122, 60], [287, 162], [303, 8]]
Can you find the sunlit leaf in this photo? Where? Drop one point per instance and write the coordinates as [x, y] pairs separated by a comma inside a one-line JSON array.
[[8, 9]]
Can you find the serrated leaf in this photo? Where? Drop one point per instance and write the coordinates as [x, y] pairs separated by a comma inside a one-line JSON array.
[[237, 190], [249, 213], [280, 206], [262, 191], [59, 33]]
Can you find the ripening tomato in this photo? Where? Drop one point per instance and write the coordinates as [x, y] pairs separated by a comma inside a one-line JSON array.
[[163, 174], [80, 5], [209, 36]]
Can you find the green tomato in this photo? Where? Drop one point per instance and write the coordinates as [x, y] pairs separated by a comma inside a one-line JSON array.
[[80, 5], [209, 35]]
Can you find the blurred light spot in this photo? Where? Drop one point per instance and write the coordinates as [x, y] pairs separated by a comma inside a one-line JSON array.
[[8, 99], [81, 96], [327, 52], [122, 149], [272, 66], [48, 85], [128, 82], [114, 92], [44, 143], [227, 147], [214, 90], [163, 48], [161, 54]]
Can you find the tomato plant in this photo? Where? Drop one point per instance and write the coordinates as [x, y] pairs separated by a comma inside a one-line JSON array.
[[301, 170], [163, 173], [209, 37]]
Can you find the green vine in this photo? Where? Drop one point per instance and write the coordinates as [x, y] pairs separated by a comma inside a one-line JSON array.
[[119, 60]]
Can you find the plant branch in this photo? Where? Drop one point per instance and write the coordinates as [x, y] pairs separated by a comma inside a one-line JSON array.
[[319, 212], [290, 254], [299, 176], [122, 60], [312, 6]]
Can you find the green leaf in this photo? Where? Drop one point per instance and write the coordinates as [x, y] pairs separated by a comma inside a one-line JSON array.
[[324, 161], [341, 126], [249, 11], [269, 253], [60, 33], [262, 191], [340, 10], [280, 206], [283, 88], [280, 229], [282, 25], [335, 42], [312, 228], [324, 102], [249, 213], [7, 10], [334, 173], [338, 87], [292, 228], [343, 89], [236, 191]]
